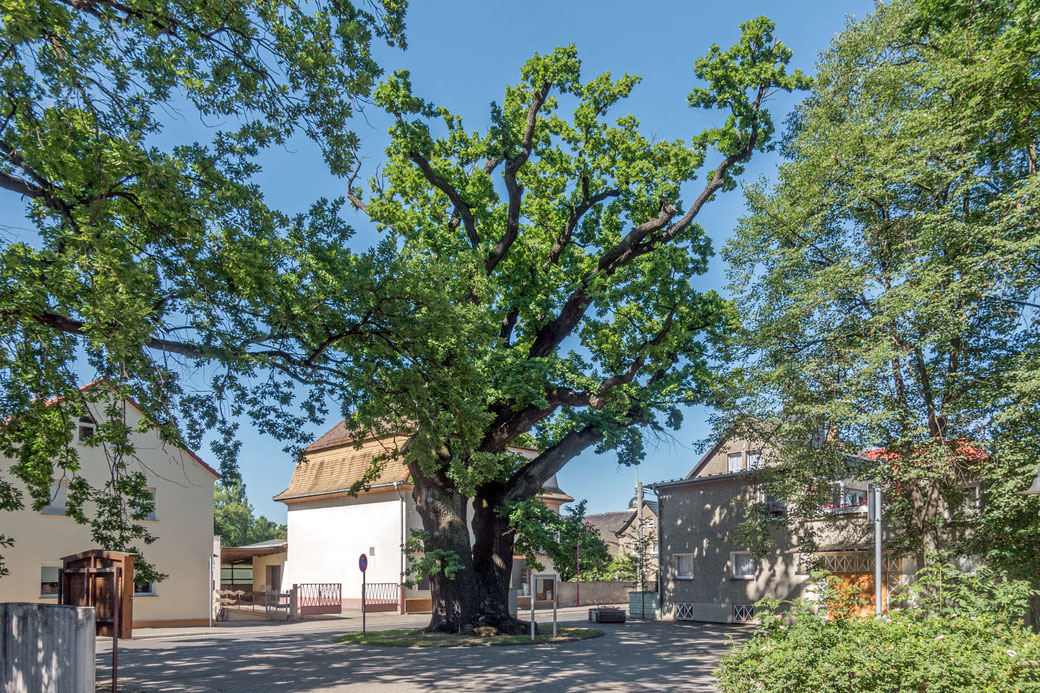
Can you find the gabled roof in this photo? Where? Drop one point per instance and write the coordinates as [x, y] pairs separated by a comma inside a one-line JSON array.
[[652, 504], [610, 523], [140, 410], [341, 466], [337, 435], [554, 493]]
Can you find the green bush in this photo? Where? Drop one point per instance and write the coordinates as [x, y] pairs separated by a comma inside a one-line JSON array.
[[903, 653], [963, 634]]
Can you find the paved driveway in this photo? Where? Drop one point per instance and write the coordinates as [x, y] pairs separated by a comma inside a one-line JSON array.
[[638, 656]]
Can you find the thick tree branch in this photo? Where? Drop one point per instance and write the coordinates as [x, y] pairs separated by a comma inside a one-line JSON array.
[[634, 245], [528, 480], [76, 327], [574, 218], [514, 189], [461, 208], [40, 188], [351, 195]]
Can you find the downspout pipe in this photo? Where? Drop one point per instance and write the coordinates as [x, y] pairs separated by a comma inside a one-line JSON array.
[[404, 530]]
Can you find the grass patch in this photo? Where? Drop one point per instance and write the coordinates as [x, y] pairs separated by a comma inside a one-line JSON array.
[[417, 638]]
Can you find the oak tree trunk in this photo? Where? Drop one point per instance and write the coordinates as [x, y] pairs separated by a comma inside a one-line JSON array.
[[443, 512], [493, 565]]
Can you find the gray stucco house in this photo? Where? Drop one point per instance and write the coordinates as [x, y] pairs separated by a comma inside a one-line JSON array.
[[705, 577]]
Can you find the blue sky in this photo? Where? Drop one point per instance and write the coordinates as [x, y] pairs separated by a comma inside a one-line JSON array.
[[461, 55]]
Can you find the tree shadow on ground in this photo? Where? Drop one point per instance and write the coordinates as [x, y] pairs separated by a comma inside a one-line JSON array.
[[635, 656]]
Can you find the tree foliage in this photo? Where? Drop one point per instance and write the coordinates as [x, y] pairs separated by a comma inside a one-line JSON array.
[[563, 539], [234, 520], [562, 243], [887, 281], [151, 252], [964, 633]]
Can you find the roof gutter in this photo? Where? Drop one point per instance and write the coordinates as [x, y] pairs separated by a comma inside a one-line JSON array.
[[404, 530], [699, 480], [338, 490]]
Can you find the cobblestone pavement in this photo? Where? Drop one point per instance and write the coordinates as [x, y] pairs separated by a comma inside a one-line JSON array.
[[637, 656]]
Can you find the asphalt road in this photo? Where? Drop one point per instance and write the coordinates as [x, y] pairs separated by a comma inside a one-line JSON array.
[[637, 656]]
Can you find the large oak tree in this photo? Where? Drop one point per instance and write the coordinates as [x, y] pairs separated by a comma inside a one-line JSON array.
[[566, 247], [532, 280]]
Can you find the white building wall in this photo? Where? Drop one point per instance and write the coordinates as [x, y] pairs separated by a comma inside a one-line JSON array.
[[326, 538]]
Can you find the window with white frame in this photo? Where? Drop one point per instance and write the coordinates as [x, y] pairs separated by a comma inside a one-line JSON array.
[[736, 462], [144, 589], [152, 513], [754, 459], [50, 577], [654, 547], [59, 496], [683, 566], [775, 504], [85, 430], [743, 565]]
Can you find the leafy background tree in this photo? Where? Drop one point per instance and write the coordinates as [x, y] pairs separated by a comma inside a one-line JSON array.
[[235, 521], [887, 281], [148, 253], [541, 531]]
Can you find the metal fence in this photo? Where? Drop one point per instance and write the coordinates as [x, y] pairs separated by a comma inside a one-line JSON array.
[[278, 605], [382, 595], [314, 598]]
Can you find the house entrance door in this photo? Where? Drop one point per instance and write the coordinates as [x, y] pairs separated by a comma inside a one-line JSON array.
[[848, 583], [274, 578]]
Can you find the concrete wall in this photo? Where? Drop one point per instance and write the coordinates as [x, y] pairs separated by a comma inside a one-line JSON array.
[[183, 529], [593, 593], [46, 648], [698, 520]]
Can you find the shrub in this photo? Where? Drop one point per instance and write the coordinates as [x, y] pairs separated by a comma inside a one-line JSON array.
[[903, 653], [963, 634]]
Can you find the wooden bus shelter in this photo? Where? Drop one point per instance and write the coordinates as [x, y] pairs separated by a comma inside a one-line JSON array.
[[105, 581]]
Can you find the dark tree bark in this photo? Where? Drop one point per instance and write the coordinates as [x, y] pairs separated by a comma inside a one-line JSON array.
[[493, 562], [443, 512]]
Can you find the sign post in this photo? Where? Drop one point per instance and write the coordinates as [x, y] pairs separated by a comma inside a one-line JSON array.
[[874, 516], [556, 601], [533, 583], [363, 565]]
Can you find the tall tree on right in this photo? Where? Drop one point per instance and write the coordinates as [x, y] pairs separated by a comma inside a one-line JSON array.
[[888, 279]]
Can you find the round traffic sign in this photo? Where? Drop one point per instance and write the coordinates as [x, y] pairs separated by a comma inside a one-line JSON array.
[[363, 563]]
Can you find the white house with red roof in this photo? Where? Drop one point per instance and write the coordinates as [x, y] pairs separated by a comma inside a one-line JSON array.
[[181, 521], [328, 528]]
